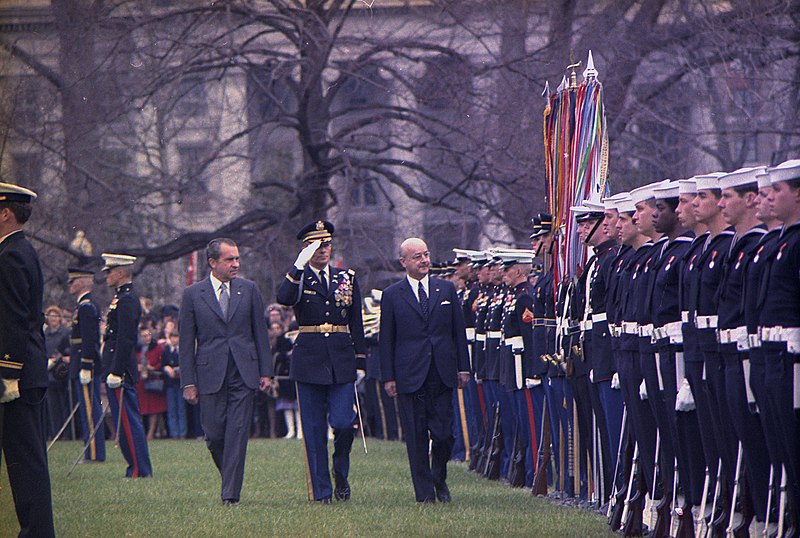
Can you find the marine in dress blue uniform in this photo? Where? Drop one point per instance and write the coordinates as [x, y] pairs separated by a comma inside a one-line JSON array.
[[119, 364], [84, 366], [329, 348], [23, 366]]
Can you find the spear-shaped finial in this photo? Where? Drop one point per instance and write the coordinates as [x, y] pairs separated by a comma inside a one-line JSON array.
[[563, 85], [590, 71], [546, 91]]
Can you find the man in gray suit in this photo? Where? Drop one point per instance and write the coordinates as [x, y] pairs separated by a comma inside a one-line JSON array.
[[224, 358]]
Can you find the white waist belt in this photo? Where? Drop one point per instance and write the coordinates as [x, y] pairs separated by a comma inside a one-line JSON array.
[[597, 318], [586, 325], [470, 334], [753, 340], [480, 337], [790, 335], [685, 316], [494, 334], [705, 322], [630, 327], [736, 336], [674, 331], [646, 330]]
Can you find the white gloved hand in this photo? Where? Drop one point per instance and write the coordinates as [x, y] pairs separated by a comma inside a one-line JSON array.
[[615, 381], [50, 363], [113, 381], [85, 377], [643, 391], [11, 392], [531, 382], [306, 254], [684, 401], [591, 375], [360, 375]]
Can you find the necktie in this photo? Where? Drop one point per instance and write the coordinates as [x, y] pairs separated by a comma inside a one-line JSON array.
[[224, 299], [423, 300], [323, 280]]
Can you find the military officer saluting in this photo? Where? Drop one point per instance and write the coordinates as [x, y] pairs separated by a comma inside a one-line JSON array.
[[84, 366], [119, 363], [327, 351]]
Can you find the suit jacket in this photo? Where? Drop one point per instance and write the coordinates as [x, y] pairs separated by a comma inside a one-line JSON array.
[[409, 343], [22, 351], [207, 338], [122, 334], [319, 358]]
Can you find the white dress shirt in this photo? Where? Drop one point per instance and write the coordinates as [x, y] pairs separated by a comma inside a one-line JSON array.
[[415, 286]]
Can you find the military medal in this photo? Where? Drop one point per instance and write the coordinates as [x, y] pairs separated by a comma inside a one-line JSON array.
[[758, 254], [739, 260], [669, 263], [713, 257], [780, 252]]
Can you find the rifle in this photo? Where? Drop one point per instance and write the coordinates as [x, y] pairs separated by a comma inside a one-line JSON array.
[[634, 502], [483, 449], [765, 532], [700, 527], [651, 508], [516, 469], [478, 446], [492, 471], [663, 508], [540, 478], [781, 503], [718, 522], [612, 501]]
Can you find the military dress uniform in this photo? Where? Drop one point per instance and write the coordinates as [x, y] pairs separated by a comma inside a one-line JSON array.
[[329, 348], [85, 352], [23, 361], [119, 359]]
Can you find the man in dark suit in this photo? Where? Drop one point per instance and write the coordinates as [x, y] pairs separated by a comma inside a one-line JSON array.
[[84, 345], [424, 356], [225, 358], [329, 348], [23, 366], [120, 366]]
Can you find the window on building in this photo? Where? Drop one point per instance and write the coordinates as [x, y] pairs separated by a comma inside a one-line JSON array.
[[28, 169], [194, 177], [191, 98], [364, 193]]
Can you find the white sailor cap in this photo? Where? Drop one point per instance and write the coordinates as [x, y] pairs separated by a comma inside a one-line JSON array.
[[117, 260], [611, 201], [741, 177], [668, 190], [786, 171], [708, 181], [640, 194], [687, 186], [14, 193], [763, 179], [626, 205]]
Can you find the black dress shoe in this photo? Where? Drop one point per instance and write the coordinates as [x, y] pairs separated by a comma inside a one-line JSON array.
[[342, 490], [429, 500], [324, 500], [230, 502], [443, 494]]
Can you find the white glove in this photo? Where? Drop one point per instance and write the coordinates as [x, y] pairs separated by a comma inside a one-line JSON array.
[[615, 381], [360, 374], [11, 390], [684, 401], [643, 391], [591, 375], [531, 382], [113, 381], [50, 363], [306, 254], [85, 377]]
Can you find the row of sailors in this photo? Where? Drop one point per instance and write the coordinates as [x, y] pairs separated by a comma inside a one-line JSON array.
[[665, 373]]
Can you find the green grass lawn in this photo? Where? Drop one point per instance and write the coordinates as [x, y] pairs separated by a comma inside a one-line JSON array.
[[183, 498]]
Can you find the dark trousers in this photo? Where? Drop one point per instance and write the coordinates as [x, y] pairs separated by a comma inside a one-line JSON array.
[[723, 422], [640, 415], [612, 404], [226, 417], [381, 411], [23, 438], [747, 426], [132, 440], [654, 381], [90, 414], [529, 404], [59, 406], [319, 406], [176, 411], [427, 415]]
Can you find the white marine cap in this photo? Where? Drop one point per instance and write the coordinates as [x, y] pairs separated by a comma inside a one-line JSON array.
[[708, 181], [687, 186], [786, 171], [464, 254], [741, 177], [14, 193], [668, 190], [117, 260], [376, 295], [626, 205], [510, 256], [640, 194]]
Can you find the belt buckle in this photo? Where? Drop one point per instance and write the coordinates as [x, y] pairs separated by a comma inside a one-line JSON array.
[[326, 328]]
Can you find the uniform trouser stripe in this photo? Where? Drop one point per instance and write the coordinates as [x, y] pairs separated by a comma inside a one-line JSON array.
[[309, 484], [532, 423], [128, 436], [88, 401]]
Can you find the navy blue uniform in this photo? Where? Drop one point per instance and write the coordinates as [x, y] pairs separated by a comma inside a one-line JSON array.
[[324, 366], [22, 357], [466, 427], [119, 358], [84, 345]]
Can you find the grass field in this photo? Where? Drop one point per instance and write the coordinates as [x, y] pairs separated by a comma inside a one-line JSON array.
[[183, 498]]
